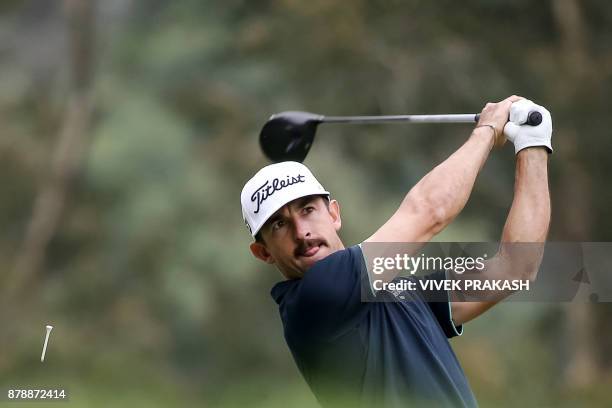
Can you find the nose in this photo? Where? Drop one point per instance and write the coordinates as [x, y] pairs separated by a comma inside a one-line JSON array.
[[302, 229]]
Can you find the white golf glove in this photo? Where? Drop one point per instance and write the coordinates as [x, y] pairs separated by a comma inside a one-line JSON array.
[[523, 136]]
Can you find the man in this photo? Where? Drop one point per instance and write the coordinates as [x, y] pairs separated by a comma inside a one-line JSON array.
[[388, 354]]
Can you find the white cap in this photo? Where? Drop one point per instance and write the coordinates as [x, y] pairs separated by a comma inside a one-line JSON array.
[[274, 186]]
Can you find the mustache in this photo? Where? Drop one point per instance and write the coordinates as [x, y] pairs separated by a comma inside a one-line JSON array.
[[306, 244]]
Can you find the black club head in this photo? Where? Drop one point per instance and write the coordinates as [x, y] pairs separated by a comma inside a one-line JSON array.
[[289, 135]]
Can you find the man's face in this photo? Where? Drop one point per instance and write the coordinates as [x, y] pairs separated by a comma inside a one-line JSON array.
[[299, 234]]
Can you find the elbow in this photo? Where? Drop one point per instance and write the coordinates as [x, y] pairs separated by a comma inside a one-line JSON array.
[[440, 218], [433, 213], [533, 256], [523, 260], [530, 273]]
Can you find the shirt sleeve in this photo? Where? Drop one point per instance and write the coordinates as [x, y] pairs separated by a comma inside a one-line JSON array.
[[439, 303], [329, 298]]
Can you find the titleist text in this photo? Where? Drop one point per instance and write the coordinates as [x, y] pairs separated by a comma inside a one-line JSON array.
[[268, 188]]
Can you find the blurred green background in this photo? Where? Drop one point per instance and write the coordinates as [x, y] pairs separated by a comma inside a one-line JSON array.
[[127, 129]]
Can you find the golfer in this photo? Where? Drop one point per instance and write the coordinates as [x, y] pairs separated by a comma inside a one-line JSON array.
[[389, 354]]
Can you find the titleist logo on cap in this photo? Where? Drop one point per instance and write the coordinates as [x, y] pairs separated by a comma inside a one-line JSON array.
[[268, 188]]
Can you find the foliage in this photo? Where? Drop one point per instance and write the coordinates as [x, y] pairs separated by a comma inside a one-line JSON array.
[[148, 279]]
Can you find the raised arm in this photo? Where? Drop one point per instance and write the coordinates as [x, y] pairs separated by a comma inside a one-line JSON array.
[[437, 199], [527, 222]]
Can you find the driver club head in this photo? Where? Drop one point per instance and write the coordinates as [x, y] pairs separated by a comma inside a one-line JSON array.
[[289, 135]]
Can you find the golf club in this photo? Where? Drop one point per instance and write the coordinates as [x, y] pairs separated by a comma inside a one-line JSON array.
[[289, 135]]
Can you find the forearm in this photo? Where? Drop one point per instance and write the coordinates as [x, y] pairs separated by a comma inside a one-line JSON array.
[[527, 224], [446, 189], [523, 237], [529, 215], [437, 199], [522, 247]]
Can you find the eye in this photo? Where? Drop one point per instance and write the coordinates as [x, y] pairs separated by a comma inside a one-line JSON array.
[[277, 225], [308, 209]]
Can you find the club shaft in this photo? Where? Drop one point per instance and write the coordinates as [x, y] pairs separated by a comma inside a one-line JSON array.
[[452, 118]]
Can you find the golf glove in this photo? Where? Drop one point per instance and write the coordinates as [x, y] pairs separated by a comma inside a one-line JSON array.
[[523, 136]]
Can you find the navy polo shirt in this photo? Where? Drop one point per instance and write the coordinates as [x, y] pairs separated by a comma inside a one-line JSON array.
[[389, 353]]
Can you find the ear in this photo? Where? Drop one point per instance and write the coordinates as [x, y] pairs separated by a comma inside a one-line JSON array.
[[334, 211], [260, 251]]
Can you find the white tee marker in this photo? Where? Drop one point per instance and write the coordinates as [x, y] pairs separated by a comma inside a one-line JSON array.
[[44, 350]]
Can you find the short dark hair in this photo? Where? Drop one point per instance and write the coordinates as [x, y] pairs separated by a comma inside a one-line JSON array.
[[259, 237]]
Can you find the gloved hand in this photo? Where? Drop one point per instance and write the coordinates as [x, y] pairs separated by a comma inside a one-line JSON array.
[[523, 136]]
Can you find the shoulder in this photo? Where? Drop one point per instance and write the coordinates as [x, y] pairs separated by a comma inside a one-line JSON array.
[[343, 265], [340, 272], [334, 281], [347, 258]]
